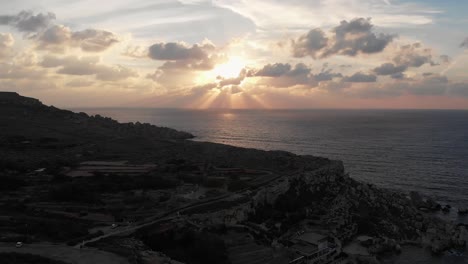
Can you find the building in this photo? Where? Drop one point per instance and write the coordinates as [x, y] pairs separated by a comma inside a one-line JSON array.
[[311, 248]]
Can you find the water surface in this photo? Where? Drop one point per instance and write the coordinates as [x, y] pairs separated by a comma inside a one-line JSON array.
[[422, 150]]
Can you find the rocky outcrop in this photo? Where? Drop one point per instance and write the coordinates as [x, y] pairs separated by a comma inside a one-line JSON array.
[[12, 98]]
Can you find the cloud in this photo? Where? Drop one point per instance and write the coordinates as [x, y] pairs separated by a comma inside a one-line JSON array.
[[349, 39], [27, 21], [429, 85], [274, 70], [310, 44], [327, 75], [244, 73], [398, 76], [6, 43], [59, 38], [414, 55], [390, 69], [271, 15], [6, 40], [235, 89], [13, 71], [176, 51], [464, 44], [181, 56], [94, 40], [407, 56], [137, 52], [286, 75], [283, 69], [73, 65], [360, 77], [79, 83]]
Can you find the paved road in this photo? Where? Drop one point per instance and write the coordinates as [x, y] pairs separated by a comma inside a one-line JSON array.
[[65, 253]]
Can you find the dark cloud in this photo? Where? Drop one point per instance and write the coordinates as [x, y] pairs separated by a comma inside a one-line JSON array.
[[283, 69], [299, 70], [236, 81], [310, 44], [27, 21], [414, 56], [231, 81], [360, 77], [59, 38], [285, 75], [327, 75], [398, 76], [349, 38], [176, 51], [464, 44], [274, 70], [179, 56], [389, 69], [205, 64], [73, 65]]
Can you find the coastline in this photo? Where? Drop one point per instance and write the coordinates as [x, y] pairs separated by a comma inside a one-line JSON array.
[[300, 194]]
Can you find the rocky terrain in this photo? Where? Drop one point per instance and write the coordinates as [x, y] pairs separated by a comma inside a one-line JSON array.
[[194, 202]]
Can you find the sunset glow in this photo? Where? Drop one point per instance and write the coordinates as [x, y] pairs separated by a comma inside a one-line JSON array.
[[312, 54], [230, 69]]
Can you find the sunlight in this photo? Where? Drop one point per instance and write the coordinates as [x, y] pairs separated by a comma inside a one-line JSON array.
[[230, 69]]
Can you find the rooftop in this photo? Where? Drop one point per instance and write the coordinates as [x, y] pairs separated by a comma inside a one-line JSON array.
[[312, 238]]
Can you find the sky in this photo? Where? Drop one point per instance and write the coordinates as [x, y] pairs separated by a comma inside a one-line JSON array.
[[409, 54]]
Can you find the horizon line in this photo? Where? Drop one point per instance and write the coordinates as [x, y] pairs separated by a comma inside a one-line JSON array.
[[262, 109]]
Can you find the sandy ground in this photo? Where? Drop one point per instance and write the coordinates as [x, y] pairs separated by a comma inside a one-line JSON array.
[[65, 253]]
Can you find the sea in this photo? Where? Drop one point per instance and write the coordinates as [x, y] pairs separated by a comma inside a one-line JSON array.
[[409, 150]]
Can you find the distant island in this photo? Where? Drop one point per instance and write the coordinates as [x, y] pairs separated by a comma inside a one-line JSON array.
[[87, 189]]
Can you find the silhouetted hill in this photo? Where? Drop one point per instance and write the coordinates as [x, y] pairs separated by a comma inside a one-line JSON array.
[[28, 117], [31, 132]]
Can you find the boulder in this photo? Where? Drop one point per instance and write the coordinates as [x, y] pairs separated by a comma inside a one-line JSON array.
[[446, 209], [462, 210]]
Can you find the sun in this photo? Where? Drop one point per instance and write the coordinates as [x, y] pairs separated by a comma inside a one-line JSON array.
[[230, 69]]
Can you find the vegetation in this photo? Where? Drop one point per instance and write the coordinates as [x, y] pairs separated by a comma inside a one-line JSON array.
[[189, 246], [88, 189], [237, 185], [11, 182], [51, 229]]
